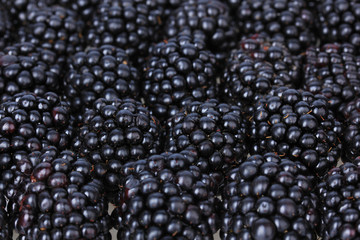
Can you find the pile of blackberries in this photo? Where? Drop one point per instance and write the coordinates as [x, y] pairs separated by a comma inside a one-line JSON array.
[[179, 120]]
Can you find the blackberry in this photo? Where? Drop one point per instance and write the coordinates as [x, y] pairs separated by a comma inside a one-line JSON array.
[[255, 68], [25, 67], [209, 20], [54, 28], [5, 28], [268, 197], [334, 71], [100, 72], [114, 132], [163, 197], [339, 194], [351, 136], [128, 24], [338, 21], [297, 125], [61, 200], [85, 8], [291, 20], [214, 131], [18, 9], [5, 230], [178, 72]]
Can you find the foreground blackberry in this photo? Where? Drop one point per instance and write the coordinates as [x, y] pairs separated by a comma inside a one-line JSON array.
[[255, 68], [338, 21], [100, 72], [114, 132], [163, 197], [268, 197], [61, 201], [214, 131], [297, 125], [339, 195], [25, 67], [178, 72], [128, 24], [209, 19], [5, 28], [290, 20], [54, 28], [333, 71]]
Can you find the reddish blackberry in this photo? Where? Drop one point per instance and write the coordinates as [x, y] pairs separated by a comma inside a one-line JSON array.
[[297, 125], [100, 72], [178, 72], [291, 20], [62, 202], [214, 131], [268, 197], [128, 24], [25, 67], [338, 21], [163, 197], [114, 132], [255, 68], [334, 71], [5, 28], [209, 19], [54, 28], [339, 195]]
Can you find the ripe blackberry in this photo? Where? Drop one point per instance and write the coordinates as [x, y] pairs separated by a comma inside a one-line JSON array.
[[351, 135], [338, 21], [85, 8], [255, 68], [25, 67], [17, 9], [54, 28], [61, 201], [214, 131], [114, 132], [339, 195], [209, 19], [291, 20], [333, 71], [178, 72], [5, 28], [268, 197], [129, 24], [100, 72], [163, 197], [297, 125]]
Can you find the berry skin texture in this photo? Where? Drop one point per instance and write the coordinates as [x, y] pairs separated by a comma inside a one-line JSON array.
[[268, 197], [215, 132], [297, 125], [178, 72], [114, 132], [339, 200], [104, 72]]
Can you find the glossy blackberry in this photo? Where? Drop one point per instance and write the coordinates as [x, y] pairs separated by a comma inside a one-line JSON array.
[[339, 199], [334, 71], [214, 131], [291, 20], [5, 28], [255, 68], [128, 24], [25, 67], [18, 9], [100, 72], [54, 28], [268, 197], [338, 21], [209, 19], [61, 200], [297, 125], [178, 72], [351, 135], [163, 197], [114, 132]]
